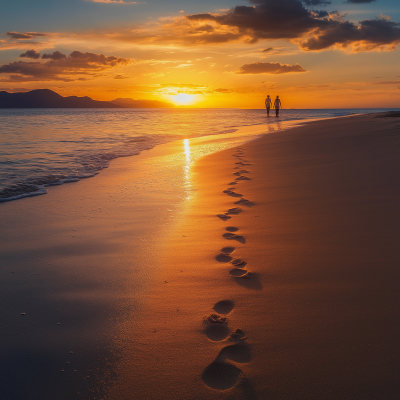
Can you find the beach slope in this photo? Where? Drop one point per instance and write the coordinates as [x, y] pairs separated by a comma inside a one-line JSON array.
[[281, 280]]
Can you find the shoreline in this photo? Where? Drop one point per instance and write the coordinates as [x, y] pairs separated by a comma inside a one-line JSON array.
[[159, 288], [43, 188]]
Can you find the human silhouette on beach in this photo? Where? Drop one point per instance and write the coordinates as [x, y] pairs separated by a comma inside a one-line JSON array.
[[268, 103], [277, 106]]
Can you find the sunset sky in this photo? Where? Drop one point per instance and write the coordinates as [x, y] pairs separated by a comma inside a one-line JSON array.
[[219, 53]]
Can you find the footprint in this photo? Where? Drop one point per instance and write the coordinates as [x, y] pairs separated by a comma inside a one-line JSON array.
[[244, 171], [216, 327], [239, 353], [243, 178], [243, 163], [229, 235], [224, 217], [224, 307], [249, 281], [233, 236], [237, 173], [237, 336], [231, 229], [223, 258], [231, 193], [227, 250], [238, 263], [235, 210], [237, 272], [232, 183], [221, 375], [245, 202]]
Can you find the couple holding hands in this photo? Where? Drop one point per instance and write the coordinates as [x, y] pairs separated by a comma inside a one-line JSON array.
[[277, 105]]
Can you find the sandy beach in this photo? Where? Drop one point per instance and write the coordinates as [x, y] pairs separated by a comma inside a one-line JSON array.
[[273, 275]]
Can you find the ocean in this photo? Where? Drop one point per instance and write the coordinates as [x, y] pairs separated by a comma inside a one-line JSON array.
[[44, 147]]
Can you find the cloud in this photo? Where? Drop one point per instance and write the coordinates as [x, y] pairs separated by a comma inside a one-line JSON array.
[[316, 2], [269, 68], [76, 66], [54, 56], [359, 1], [31, 54], [289, 19], [24, 35], [121, 77], [387, 83]]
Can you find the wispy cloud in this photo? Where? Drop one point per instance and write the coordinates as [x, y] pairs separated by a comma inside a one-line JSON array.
[[274, 68], [24, 35], [76, 66]]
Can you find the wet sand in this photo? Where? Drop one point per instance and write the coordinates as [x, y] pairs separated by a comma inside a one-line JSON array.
[[282, 279], [275, 276]]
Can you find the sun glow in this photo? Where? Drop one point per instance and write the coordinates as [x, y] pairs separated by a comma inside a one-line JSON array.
[[183, 99]]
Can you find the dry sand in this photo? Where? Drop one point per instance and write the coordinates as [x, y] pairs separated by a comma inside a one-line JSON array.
[[278, 280], [316, 315]]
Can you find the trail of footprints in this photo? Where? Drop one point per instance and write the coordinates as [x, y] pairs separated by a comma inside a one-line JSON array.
[[222, 374]]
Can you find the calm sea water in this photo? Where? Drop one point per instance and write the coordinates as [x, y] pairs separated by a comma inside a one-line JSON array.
[[42, 147]]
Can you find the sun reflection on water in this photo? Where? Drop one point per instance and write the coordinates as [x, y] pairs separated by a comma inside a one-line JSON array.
[[188, 160]]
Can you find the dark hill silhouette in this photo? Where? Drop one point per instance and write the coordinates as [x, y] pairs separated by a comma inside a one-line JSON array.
[[130, 103], [46, 98]]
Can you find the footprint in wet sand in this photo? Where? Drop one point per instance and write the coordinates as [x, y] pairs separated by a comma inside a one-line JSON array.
[[232, 183], [244, 171], [245, 202], [238, 263], [224, 255], [243, 178], [237, 173], [235, 210], [237, 272], [224, 217], [216, 327], [224, 307], [233, 236], [229, 192], [231, 229], [221, 374], [243, 163]]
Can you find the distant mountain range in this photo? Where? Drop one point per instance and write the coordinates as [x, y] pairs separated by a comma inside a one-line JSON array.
[[46, 98]]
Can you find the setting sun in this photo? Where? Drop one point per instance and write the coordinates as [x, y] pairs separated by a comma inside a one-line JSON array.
[[183, 99]]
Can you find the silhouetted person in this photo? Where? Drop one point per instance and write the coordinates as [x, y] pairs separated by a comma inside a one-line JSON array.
[[268, 104], [277, 105]]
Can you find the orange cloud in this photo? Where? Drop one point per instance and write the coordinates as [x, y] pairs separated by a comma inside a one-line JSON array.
[[269, 68]]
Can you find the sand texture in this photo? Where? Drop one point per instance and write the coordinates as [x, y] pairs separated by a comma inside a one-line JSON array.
[[282, 279], [277, 279]]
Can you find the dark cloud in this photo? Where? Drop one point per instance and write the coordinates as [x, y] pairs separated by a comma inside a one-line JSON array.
[[387, 83], [268, 50], [289, 19], [359, 1], [316, 2], [77, 66], [31, 54], [369, 35], [121, 77], [269, 68], [24, 35], [56, 55]]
